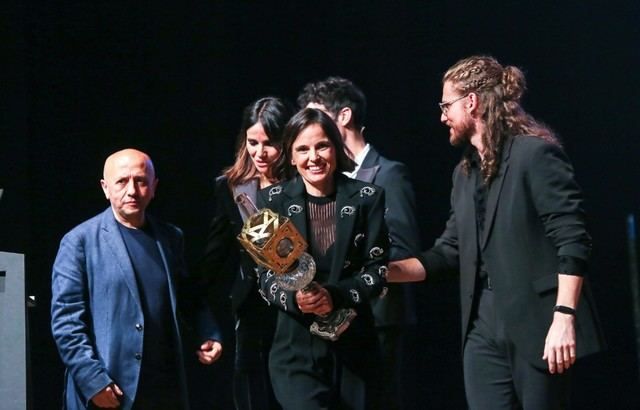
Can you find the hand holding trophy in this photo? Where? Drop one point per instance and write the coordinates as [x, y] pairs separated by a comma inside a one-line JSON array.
[[274, 243]]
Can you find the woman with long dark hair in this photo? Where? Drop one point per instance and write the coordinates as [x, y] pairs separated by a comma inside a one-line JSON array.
[[258, 164]]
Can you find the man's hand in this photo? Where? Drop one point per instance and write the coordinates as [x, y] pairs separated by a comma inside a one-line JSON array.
[[109, 397], [560, 344], [209, 352], [406, 270], [314, 299]]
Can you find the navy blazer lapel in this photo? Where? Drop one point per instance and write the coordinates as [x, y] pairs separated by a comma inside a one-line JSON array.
[[369, 167], [347, 210], [168, 261], [111, 235], [494, 193]]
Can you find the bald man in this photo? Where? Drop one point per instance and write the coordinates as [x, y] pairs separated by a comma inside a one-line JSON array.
[[120, 300]]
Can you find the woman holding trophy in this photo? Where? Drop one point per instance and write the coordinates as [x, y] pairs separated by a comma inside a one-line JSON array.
[[258, 164], [325, 353]]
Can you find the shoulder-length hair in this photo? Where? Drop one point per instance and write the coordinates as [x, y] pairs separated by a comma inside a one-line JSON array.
[[273, 113], [305, 118]]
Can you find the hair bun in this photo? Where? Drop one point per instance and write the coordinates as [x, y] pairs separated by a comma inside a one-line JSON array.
[[514, 83]]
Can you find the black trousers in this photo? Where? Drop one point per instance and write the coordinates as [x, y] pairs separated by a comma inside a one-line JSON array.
[[391, 343], [496, 377], [252, 388], [162, 393], [310, 373]]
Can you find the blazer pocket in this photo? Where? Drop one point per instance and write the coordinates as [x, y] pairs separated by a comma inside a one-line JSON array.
[[545, 283]]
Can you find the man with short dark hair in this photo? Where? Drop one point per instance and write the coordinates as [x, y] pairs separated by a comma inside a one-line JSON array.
[[517, 236], [121, 299], [346, 104]]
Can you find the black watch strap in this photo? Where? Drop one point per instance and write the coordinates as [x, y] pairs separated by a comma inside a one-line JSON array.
[[564, 309]]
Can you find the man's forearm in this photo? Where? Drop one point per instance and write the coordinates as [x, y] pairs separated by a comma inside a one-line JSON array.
[[569, 287]]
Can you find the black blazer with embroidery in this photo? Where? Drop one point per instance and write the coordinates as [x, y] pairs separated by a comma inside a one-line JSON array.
[[358, 269]]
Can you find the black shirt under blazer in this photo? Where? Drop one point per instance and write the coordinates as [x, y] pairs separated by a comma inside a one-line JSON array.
[[534, 216]]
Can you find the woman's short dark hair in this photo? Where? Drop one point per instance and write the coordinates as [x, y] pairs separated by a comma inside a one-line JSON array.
[[305, 118]]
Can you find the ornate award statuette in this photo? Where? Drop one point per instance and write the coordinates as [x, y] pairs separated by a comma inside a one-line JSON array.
[[274, 242]]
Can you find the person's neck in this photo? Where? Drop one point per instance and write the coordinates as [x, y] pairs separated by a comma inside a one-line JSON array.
[[325, 188], [355, 142], [133, 223], [476, 139], [265, 181]]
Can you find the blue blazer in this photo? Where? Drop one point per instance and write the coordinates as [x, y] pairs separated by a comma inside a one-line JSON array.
[[96, 314]]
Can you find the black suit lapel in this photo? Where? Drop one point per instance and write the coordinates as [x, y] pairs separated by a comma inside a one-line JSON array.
[[367, 174], [470, 217], [369, 167], [494, 193], [295, 205], [347, 210]]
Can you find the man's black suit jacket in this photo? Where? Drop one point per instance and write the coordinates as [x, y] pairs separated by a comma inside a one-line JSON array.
[[397, 307], [534, 216]]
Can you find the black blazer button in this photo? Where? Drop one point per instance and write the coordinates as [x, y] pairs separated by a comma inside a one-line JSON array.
[[139, 327], [138, 356]]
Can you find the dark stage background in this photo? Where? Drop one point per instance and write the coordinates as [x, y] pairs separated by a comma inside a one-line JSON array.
[[88, 78]]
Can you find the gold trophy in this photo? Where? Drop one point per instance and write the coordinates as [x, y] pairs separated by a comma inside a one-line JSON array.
[[274, 243]]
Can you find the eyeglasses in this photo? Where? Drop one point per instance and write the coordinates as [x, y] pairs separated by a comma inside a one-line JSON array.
[[444, 105]]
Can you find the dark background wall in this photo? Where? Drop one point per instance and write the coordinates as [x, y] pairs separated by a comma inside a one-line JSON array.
[[88, 78]]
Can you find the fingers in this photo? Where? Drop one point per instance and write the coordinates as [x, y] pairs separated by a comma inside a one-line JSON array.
[[559, 359], [315, 307], [108, 397], [204, 359], [117, 390], [566, 357], [313, 301], [209, 352], [560, 344], [323, 310], [111, 399]]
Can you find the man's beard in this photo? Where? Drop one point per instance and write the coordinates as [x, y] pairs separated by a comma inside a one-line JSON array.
[[461, 135]]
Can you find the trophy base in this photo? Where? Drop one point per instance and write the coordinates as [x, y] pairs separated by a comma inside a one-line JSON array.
[[300, 276], [330, 327]]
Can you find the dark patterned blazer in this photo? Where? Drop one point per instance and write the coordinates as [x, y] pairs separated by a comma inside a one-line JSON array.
[[359, 267]]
